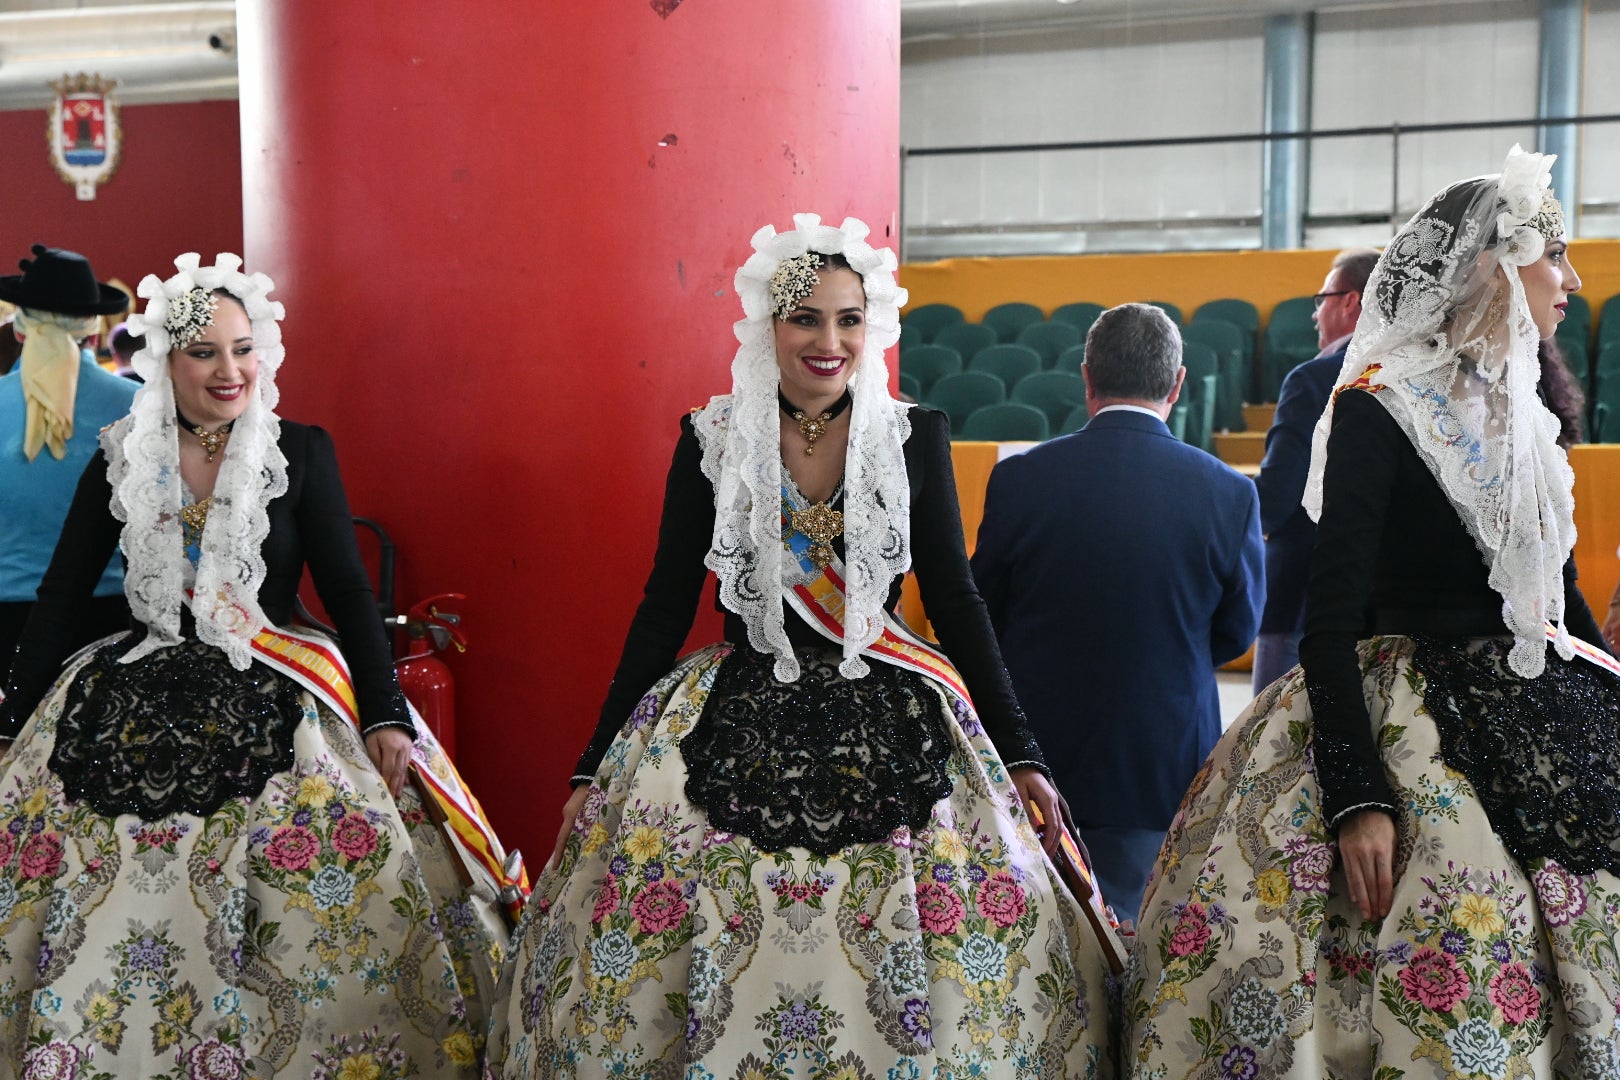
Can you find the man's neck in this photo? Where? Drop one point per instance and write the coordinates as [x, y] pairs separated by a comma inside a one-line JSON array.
[[1161, 409]]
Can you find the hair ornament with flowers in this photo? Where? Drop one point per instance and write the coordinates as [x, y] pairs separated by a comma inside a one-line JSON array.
[[190, 315], [1524, 191]]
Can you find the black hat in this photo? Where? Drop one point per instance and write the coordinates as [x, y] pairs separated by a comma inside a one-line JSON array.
[[61, 282]]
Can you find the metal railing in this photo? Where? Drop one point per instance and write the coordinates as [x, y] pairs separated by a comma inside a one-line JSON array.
[[1394, 132]]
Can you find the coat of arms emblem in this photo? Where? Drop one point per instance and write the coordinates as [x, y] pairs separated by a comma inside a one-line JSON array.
[[84, 133]]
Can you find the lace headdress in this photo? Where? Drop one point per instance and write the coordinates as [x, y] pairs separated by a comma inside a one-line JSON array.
[[742, 450], [1446, 321], [143, 456]]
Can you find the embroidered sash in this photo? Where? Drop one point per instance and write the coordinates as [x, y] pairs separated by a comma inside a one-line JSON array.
[[316, 665]]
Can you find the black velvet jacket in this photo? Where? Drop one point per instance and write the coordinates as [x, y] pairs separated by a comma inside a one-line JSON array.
[[310, 525], [1391, 557], [938, 554]]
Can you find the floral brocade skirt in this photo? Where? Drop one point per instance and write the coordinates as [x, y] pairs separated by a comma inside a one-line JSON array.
[[662, 947], [315, 928], [1251, 963]]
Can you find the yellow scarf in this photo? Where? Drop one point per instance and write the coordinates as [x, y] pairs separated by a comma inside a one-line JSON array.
[[50, 376]]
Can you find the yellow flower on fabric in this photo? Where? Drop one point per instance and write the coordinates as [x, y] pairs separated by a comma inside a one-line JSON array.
[[35, 803], [180, 1010], [459, 1049], [100, 1007], [1273, 887], [595, 838], [645, 843], [845, 1071], [315, 791], [1478, 915], [359, 1067], [949, 847]]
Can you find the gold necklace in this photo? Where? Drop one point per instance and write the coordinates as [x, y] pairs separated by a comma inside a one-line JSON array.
[[195, 515], [820, 524], [812, 427], [212, 441]]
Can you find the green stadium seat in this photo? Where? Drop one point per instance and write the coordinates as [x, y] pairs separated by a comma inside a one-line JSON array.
[[910, 335], [910, 387], [1201, 389], [1071, 359], [1227, 342], [1008, 319], [1080, 315], [1169, 309], [929, 363], [1178, 420], [1600, 418], [958, 395], [1572, 343], [969, 339], [1608, 327], [1240, 313], [930, 318], [1075, 420], [1289, 340], [1006, 423], [1009, 363], [1579, 312], [1055, 393], [1050, 339]]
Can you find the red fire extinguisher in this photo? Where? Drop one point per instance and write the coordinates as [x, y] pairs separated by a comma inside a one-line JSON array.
[[425, 678]]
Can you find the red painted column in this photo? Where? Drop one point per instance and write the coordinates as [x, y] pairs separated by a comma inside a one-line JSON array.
[[505, 235]]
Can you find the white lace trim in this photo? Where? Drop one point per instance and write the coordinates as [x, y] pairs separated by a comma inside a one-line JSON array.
[[742, 455], [1447, 322], [143, 455]]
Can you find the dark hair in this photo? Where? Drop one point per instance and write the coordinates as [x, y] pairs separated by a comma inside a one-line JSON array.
[[834, 261], [1562, 392], [1133, 351], [1355, 266]]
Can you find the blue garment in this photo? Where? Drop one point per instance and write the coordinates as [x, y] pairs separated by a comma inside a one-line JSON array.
[[1120, 567], [1290, 532], [35, 495], [1275, 655]]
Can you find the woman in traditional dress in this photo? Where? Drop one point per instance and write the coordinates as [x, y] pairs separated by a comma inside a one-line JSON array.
[[803, 851], [211, 863], [1455, 726]]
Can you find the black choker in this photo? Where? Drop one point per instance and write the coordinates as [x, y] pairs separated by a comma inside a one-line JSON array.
[[212, 441], [813, 427]]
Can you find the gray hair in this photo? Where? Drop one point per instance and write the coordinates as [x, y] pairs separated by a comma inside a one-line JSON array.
[[1133, 351], [1355, 266]]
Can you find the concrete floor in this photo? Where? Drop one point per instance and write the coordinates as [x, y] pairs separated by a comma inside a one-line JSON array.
[[1235, 695]]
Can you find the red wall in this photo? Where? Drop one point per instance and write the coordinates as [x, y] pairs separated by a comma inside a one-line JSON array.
[[502, 292], [178, 188]]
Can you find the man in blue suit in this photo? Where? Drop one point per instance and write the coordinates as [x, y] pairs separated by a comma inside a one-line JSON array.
[[1121, 567], [1290, 532]]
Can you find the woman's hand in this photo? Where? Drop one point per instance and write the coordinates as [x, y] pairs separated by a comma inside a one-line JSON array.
[[1367, 852], [1611, 629], [390, 750], [1034, 787], [570, 814]]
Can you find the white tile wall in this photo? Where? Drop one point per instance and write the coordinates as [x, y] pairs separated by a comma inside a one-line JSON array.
[[1419, 65]]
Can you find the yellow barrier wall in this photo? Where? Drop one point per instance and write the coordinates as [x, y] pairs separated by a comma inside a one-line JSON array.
[[1597, 519], [1186, 279]]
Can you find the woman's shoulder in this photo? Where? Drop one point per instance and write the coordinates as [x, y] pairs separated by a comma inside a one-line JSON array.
[[926, 421]]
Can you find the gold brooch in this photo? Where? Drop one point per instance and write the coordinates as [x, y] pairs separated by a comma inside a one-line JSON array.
[[195, 515], [820, 525]]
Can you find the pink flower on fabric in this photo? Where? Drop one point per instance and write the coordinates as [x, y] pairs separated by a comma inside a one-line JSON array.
[[1311, 869], [659, 907], [607, 900], [292, 848], [1560, 893], [1000, 899], [41, 856], [1191, 934], [939, 909], [354, 837], [1435, 980], [53, 1061], [1514, 992], [8, 847]]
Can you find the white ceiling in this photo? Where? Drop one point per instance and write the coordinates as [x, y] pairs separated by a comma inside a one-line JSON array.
[[925, 19]]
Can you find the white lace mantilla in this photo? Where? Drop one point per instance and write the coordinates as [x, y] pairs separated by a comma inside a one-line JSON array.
[[143, 455], [1446, 323], [740, 435]]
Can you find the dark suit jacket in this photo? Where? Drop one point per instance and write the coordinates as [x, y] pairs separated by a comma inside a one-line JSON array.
[[1121, 566], [1290, 532]]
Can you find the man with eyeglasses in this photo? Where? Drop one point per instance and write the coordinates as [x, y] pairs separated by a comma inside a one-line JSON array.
[[1290, 532]]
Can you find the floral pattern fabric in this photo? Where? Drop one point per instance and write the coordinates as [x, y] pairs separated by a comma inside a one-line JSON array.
[[662, 947], [314, 929], [1252, 964]]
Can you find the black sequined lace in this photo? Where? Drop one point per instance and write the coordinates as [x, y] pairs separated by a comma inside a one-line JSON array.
[[1543, 754], [821, 763], [180, 730]]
